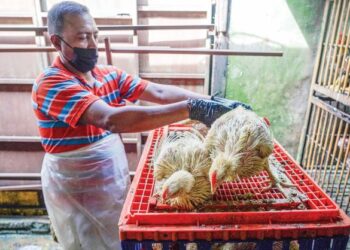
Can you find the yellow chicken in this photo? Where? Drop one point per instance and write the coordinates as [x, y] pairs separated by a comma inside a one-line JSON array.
[[181, 170], [240, 143]]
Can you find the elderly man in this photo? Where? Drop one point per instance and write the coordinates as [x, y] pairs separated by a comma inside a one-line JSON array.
[[80, 111]]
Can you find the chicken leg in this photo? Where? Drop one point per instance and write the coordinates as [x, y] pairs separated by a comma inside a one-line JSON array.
[[277, 180]]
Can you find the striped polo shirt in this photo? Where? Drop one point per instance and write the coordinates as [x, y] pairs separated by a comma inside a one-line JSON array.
[[60, 97]]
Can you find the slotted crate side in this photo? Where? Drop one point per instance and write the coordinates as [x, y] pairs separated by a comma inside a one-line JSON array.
[[333, 66], [236, 231], [327, 151], [338, 243]]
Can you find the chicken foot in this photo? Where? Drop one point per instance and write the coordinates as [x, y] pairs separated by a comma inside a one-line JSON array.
[[277, 181]]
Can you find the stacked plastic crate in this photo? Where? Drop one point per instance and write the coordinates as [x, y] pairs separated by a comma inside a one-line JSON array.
[[325, 152], [239, 212]]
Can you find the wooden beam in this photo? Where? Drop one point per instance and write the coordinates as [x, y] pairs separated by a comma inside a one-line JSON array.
[[222, 15], [42, 29], [28, 177], [181, 14], [209, 45], [219, 67], [175, 78], [172, 75], [16, 85], [342, 98], [24, 139], [178, 82], [21, 146], [24, 49], [20, 187], [44, 61], [157, 27], [170, 8], [33, 144], [109, 59], [153, 50], [25, 85], [219, 63], [19, 139], [16, 19], [20, 143], [331, 109], [16, 39], [20, 176], [103, 20], [23, 81]]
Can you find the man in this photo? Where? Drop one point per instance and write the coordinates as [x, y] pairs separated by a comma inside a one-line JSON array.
[[80, 111]]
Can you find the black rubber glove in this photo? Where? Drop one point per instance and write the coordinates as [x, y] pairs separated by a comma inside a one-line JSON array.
[[206, 111], [230, 103]]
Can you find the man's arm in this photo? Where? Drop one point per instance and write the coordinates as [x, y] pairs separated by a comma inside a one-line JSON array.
[[165, 94], [131, 119], [179, 104]]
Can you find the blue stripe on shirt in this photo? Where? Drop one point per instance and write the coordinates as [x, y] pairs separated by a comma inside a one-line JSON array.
[[110, 77], [70, 104], [35, 87], [111, 96], [50, 72], [98, 84], [34, 104], [52, 93], [122, 79], [73, 141], [132, 87], [52, 124]]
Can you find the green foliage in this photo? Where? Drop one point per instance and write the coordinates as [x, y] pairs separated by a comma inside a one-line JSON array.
[[277, 87], [308, 14], [266, 84]]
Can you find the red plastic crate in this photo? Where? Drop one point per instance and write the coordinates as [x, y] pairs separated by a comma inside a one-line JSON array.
[[231, 215]]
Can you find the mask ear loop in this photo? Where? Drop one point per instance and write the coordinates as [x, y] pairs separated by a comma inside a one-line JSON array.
[[64, 41], [69, 61]]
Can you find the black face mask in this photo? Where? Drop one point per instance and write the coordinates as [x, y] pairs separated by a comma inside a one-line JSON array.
[[83, 60]]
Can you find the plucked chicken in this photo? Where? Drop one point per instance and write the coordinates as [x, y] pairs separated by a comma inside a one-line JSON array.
[[240, 143], [181, 170]]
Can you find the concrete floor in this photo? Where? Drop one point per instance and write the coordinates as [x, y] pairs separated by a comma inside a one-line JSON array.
[[28, 242], [26, 233]]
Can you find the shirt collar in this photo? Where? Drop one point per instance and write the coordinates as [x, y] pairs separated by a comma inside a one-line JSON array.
[[57, 63]]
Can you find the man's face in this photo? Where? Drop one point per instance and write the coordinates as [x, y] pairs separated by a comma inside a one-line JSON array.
[[79, 31]]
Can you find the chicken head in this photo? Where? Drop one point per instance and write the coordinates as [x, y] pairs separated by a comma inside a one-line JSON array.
[[177, 184]]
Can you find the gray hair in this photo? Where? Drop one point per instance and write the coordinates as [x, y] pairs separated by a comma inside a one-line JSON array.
[[55, 16]]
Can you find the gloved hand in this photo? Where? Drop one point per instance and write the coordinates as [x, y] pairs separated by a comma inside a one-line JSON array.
[[206, 111], [230, 103]]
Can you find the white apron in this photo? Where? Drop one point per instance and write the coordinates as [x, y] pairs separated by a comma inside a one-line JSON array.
[[84, 192]]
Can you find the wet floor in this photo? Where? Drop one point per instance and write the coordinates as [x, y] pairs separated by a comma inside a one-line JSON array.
[[28, 242]]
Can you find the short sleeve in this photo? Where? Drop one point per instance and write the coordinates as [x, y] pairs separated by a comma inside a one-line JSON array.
[[63, 99], [131, 87]]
